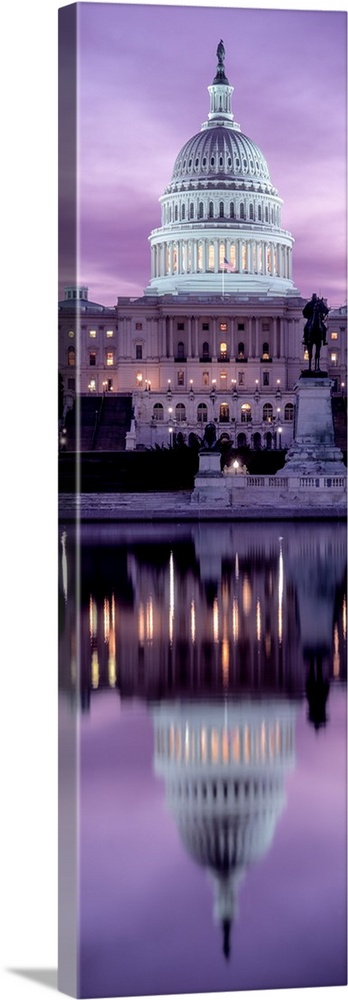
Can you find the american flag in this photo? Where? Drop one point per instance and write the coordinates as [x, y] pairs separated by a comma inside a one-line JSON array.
[[226, 266]]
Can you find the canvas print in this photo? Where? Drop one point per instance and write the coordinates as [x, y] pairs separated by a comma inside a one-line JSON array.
[[202, 322]]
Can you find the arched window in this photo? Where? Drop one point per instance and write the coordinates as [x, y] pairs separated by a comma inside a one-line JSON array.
[[158, 412], [180, 412], [241, 441], [200, 210], [224, 413], [223, 350], [251, 211], [221, 210], [180, 351], [242, 211], [245, 413], [257, 441], [205, 351], [259, 213], [183, 211], [192, 210], [267, 413], [71, 357], [266, 214], [241, 349], [265, 351], [202, 413], [176, 213], [231, 210], [289, 412], [211, 210], [268, 440]]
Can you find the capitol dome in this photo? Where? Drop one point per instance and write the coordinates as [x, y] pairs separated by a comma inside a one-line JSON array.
[[221, 215]]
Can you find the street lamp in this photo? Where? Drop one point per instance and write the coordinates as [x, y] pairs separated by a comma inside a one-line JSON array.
[[235, 466]]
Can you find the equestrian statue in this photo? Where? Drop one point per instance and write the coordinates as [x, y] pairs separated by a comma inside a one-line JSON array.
[[314, 333]]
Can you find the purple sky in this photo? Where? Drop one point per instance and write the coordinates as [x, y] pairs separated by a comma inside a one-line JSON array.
[[144, 73]]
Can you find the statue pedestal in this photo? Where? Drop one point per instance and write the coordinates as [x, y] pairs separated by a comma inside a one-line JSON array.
[[210, 484], [313, 451]]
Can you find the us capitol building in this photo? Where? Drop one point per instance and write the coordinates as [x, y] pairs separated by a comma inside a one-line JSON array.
[[217, 335]]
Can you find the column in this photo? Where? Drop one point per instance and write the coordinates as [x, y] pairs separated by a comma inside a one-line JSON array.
[[189, 336], [257, 338], [214, 336], [196, 337], [250, 346], [171, 337]]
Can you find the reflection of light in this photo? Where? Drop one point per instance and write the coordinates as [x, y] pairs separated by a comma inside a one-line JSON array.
[[268, 644], [258, 619], [93, 617], [214, 746], [149, 619], [246, 596], [280, 592], [64, 566], [263, 740], [225, 747], [236, 567], [203, 745], [187, 743], [141, 624], [225, 660], [106, 619], [336, 656], [171, 597], [344, 618], [193, 621], [95, 669], [235, 744], [235, 619], [216, 620], [246, 744]]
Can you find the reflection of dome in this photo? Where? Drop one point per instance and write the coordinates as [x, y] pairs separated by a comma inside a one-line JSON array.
[[221, 208], [224, 770]]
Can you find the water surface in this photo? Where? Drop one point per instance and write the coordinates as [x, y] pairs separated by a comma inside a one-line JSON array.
[[212, 715]]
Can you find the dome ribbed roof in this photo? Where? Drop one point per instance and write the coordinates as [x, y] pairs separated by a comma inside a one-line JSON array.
[[220, 154]]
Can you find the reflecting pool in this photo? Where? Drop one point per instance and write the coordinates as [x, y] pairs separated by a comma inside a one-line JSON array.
[[211, 700]]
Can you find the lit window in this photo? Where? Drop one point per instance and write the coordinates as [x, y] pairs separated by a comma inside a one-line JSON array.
[[138, 352], [181, 378], [205, 378], [224, 415], [139, 378], [223, 326], [71, 357], [334, 336], [305, 355], [233, 256], [93, 333], [333, 358], [92, 358], [223, 349], [71, 334], [91, 385], [240, 350], [109, 358], [211, 257], [109, 333], [245, 413], [223, 377]]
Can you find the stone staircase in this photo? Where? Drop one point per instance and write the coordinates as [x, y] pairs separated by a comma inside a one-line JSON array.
[[104, 422]]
